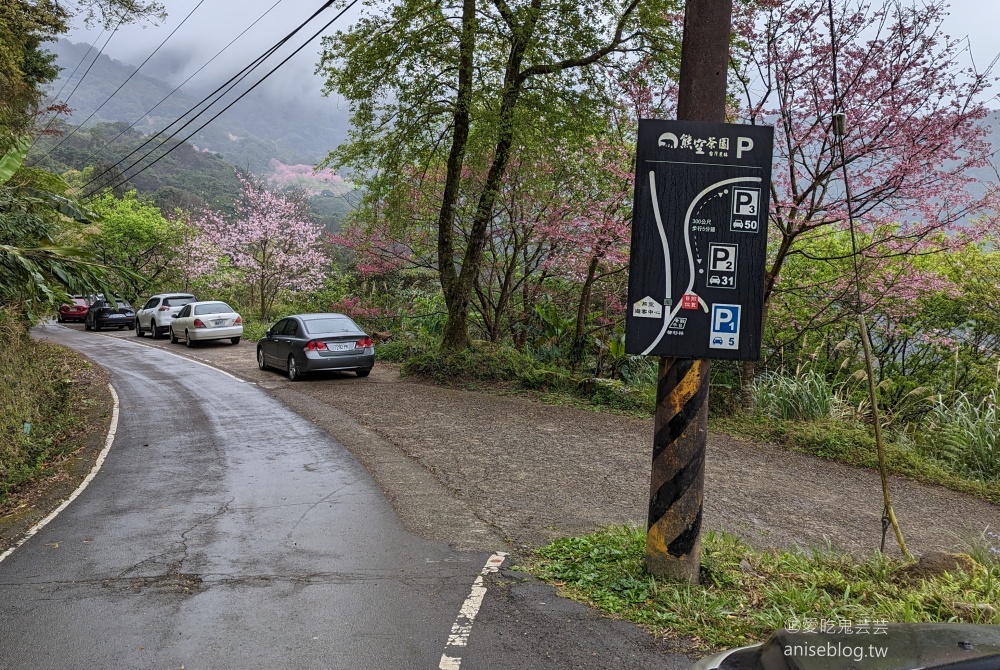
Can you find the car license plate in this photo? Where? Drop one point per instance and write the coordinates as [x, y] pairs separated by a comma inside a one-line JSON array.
[[117, 316], [340, 346], [219, 322]]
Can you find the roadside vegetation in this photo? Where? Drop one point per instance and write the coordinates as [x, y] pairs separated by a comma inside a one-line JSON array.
[[745, 594], [40, 400]]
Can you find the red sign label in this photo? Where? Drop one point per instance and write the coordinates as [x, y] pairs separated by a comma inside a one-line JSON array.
[[689, 301]]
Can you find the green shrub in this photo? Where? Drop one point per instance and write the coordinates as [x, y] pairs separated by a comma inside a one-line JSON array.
[[616, 394], [484, 361], [546, 379]]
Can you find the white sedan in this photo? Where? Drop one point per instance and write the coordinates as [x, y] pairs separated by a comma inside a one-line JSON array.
[[206, 320]]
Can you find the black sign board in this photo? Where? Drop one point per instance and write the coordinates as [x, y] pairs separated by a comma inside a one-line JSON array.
[[699, 240]]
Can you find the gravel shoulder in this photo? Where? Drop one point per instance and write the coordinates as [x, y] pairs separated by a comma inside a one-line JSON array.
[[491, 472]]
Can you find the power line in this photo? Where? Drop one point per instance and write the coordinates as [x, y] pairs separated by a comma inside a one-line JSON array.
[[179, 86], [134, 73], [240, 97], [86, 72], [232, 82], [90, 47]]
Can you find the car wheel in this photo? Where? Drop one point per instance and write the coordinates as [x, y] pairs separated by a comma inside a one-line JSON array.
[[294, 374], [173, 338], [97, 326], [153, 331], [234, 340], [59, 318], [86, 326], [138, 329], [187, 340], [261, 363], [364, 372]]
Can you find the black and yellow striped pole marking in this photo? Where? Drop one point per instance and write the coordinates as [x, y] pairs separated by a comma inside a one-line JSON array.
[[677, 482]]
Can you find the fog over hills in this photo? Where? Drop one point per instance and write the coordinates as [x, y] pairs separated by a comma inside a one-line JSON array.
[[255, 130]]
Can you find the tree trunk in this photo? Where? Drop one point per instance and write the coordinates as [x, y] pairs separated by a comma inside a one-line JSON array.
[[456, 296], [582, 309], [456, 330]]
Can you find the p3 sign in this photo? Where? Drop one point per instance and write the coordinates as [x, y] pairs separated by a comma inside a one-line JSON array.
[[725, 330]]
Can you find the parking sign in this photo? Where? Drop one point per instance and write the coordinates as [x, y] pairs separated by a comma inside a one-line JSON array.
[[699, 235], [725, 331]]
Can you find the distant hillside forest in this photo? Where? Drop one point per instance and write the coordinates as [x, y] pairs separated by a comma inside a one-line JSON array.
[[256, 130], [187, 178], [275, 141]]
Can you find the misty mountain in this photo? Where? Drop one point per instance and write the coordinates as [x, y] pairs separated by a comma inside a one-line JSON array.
[[257, 129]]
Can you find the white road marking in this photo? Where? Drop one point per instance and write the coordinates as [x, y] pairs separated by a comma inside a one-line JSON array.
[[170, 353], [83, 485], [460, 630]]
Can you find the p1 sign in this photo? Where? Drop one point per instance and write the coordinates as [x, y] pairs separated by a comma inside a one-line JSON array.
[[725, 331]]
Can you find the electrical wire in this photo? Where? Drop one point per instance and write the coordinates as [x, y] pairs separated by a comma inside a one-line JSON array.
[[90, 47], [86, 72], [232, 82], [152, 109], [127, 80], [244, 94]]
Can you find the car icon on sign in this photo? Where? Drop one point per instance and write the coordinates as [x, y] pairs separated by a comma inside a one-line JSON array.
[[717, 340]]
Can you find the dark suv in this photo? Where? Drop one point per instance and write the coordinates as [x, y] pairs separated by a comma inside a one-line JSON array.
[[103, 313]]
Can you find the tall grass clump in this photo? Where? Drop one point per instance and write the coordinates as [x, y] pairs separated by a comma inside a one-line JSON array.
[[963, 435], [804, 397]]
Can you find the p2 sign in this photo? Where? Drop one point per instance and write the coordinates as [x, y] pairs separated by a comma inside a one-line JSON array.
[[725, 327]]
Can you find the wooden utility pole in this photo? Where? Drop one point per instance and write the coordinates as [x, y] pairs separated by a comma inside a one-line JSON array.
[[677, 481]]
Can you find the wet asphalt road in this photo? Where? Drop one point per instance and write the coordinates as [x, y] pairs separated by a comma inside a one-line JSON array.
[[224, 531]]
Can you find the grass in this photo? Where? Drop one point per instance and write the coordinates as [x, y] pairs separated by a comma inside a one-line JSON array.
[[38, 402], [745, 595], [964, 436], [854, 445]]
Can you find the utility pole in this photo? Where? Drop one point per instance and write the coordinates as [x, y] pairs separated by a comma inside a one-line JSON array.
[[677, 481]]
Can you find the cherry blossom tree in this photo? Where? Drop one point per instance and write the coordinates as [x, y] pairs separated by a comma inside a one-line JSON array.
[[268, 246], [915, 129]]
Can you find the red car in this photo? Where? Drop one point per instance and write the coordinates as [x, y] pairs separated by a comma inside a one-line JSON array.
[[75, 312]]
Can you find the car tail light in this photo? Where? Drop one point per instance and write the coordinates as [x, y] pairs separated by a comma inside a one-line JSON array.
[[315, 345], [164, 308], [363, 343], [198, 323], [238, 321]]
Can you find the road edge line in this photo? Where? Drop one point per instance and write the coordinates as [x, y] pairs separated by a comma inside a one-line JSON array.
[[112, 430], [171, 353], [462, 628]]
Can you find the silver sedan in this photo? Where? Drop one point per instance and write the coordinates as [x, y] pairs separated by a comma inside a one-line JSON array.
[[305, 343], [206, 320]]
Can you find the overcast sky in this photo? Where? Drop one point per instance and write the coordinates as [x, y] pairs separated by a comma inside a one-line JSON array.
[[216, 22]]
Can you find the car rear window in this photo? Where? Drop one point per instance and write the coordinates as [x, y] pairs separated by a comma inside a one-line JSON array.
[[80, 302], [334, 324], [178, 300], [213, 308]]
